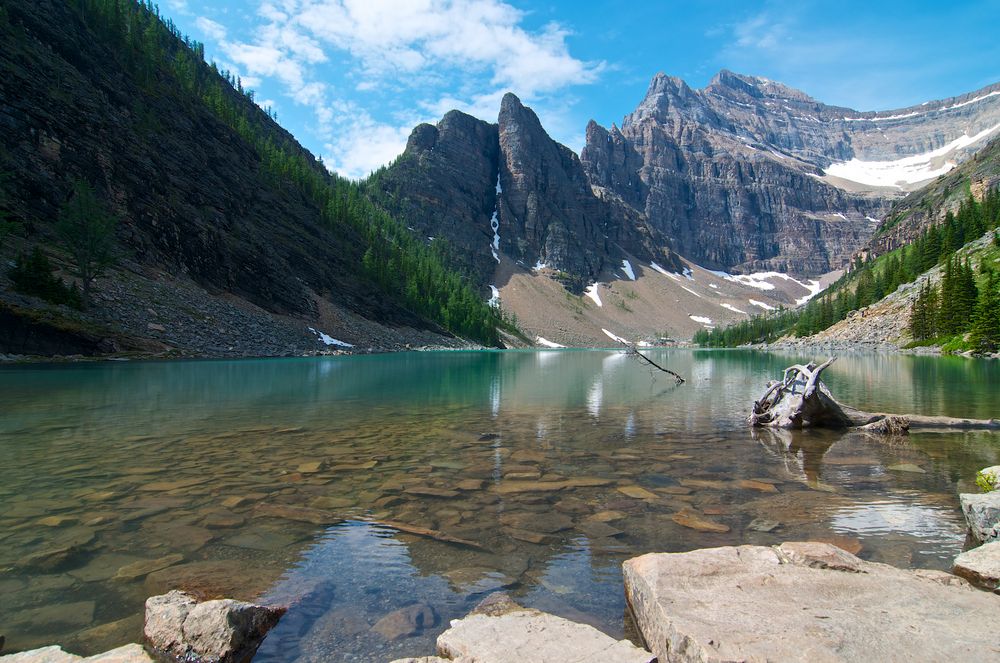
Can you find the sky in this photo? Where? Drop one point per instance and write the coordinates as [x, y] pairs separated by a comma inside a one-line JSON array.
[[351, 78]]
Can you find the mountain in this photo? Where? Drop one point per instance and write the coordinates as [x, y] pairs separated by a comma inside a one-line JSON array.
[[748, 174], [235, 239], [507, 190], [909, 217]]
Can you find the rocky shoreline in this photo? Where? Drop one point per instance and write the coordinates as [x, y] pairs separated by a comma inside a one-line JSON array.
[[796, 601]]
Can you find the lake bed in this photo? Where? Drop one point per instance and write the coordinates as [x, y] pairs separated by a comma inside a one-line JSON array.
[[539, 472]]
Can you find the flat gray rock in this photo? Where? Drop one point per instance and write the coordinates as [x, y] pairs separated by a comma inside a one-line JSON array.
[[982, 512], [500, 631], [804, 602], [981, 565]]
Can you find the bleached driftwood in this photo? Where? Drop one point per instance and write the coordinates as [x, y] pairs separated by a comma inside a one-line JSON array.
[[801, 400]]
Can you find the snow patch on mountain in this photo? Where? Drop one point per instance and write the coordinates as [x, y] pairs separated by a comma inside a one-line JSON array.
[[908, 170], [591, 292]]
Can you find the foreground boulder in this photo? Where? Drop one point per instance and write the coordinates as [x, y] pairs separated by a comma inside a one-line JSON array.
[[804, 602], [981, 565], [132, 653], [221, 631], [499, 630], [982, 513]]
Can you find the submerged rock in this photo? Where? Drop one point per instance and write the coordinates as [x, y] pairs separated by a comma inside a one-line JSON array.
[[802, 602], [499, 630], [406, 621], [226, 631]]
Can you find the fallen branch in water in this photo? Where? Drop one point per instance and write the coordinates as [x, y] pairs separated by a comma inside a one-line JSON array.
[[632, 350], [801, 400]]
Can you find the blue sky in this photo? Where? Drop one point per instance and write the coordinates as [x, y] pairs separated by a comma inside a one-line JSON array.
[[350, 78]]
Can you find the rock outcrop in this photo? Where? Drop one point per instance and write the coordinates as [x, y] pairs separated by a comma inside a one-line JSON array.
[[220, 631], [748, 174], [131, 653], [499, 630], [980, 566], [803, 602], [508, 189], [982, 513]]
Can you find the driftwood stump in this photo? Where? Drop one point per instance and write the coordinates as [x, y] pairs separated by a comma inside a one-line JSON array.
[[801, 400]]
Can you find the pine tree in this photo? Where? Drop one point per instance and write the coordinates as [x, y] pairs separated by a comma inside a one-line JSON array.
[[87, 231], [985, 336]]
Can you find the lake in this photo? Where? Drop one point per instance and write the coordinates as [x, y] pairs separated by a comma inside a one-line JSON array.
[[293, 480]]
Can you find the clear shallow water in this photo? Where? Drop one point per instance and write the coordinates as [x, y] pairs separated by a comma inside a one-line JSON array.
[[269, 479]]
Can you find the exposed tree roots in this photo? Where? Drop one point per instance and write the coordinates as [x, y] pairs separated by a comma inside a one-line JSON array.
[[801, 400]]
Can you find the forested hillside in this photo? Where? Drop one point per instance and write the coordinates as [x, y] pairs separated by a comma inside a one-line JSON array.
[[202, 183], [966, 300]]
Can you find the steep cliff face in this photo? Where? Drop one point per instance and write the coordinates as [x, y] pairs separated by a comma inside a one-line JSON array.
[[445, 186], [747, 174], [508, 189]]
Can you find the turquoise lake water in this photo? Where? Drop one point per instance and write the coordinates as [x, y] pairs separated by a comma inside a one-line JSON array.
[[293, 480]]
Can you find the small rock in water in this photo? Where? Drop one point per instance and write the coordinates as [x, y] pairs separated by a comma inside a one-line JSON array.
[[637, 492], [430, 491], [760, 486], [693, 521], [57, 521], [236, 501], [547, 523], [144, 567], [906, 467], [222, 520], [332, 503], [529, 537], [597, 530], [406, 622], [761, 525], [607, 516]]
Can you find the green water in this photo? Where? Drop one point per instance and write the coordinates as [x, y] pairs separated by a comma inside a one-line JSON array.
[[281, 479]]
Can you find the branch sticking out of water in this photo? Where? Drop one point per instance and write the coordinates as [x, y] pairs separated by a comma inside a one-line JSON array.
[[633, 351]]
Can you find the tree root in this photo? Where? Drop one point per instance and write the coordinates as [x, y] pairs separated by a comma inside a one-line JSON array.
[[801, 400]]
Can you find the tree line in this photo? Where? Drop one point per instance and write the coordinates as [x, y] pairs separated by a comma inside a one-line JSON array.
[[870, 279]]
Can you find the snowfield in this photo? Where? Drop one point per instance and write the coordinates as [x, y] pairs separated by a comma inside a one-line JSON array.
[[908, 170]]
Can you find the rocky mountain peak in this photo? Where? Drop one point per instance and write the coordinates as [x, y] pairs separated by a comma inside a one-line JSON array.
[[726, 82]]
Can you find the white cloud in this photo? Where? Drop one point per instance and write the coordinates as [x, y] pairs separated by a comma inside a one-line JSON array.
[[363, 144], [394, 36], [428, 56], [210, 28], [179, 6]]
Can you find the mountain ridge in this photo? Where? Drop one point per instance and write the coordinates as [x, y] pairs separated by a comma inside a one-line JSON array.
[[777, 164]]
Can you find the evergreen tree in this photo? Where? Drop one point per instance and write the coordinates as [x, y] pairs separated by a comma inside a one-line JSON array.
[[87, 230], [985, 336]]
